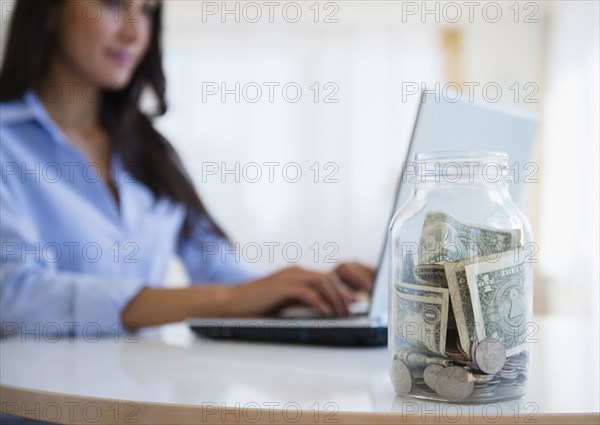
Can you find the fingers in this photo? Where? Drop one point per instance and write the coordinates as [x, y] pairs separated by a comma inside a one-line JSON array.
[[274, 292], [356, 276], [330, 289], [313, 299], [329, 293], [332, 292], [371, 271], [347, 293]]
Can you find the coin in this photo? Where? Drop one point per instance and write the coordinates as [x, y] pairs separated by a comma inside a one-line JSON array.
[[453, 383], [518, 361], [490, 356], [521, 379], [485, 389], [483, 394], [415, 359], [402, 380], [430, 374], [508, 373], [508, 382], [479, 377]]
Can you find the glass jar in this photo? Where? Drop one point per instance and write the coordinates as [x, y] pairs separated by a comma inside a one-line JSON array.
[[460, 287]]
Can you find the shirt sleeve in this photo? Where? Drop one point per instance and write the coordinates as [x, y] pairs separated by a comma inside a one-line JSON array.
[[210, 258], [37, 297]]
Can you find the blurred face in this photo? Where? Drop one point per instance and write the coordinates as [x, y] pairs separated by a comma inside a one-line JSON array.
[[103, 41]]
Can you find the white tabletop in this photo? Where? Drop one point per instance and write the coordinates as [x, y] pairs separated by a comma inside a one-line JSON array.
[[175, 367]]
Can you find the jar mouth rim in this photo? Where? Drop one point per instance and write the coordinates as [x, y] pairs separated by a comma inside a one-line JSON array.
[[461, 155], [479, 167]]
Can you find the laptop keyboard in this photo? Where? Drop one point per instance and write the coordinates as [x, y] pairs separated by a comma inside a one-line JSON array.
[[359, 307]]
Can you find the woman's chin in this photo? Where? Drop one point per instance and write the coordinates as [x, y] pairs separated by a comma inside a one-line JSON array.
[[115, 82]]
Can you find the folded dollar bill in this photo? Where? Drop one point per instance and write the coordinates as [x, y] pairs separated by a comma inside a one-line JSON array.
[[499, 290], [422, 314], [445, 239], [489, 299]]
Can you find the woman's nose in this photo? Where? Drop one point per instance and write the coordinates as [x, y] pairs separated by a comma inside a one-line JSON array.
[[130, 29], [133, 21]]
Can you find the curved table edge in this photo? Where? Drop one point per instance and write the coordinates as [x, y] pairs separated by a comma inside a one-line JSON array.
[[74, 409]]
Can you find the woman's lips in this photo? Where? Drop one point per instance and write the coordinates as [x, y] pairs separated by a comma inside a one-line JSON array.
[[120, 57]]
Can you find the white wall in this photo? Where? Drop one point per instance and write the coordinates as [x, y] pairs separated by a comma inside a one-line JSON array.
[[369, 54], [373, 48]]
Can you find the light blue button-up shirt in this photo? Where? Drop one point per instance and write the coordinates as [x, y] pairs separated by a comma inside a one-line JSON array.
[[72, 257]]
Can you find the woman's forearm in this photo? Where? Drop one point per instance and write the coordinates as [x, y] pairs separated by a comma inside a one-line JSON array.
[[325, 292], [158, 306]]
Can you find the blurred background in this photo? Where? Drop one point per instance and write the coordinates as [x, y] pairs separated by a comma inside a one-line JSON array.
[[293, 119]]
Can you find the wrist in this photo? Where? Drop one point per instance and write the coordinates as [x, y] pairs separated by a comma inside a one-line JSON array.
[[213, 301], [225, 300]]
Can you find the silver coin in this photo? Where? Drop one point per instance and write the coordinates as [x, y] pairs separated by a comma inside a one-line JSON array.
[[487, 393], [430, 374], [402, 380], [416, 359], [490, 356], [507, 382], [478, 377], [519, 360], [507, 373], [454, 383], [495, 381], [480, 386]]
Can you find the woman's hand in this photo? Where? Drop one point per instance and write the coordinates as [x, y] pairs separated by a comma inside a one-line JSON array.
[[325, 292], [328, 293], [358, 276]]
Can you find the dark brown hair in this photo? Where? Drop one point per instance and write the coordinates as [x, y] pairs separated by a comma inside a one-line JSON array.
[[148, 156]]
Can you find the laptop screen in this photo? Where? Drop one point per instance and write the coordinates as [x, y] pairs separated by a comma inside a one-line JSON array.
[[441, 125]]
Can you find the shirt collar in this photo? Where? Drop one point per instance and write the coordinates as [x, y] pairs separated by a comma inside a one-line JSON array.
[[30, 108], [15, 111], [39, 113]]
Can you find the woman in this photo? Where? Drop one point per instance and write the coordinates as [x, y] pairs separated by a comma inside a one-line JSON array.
[[95, 200]]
